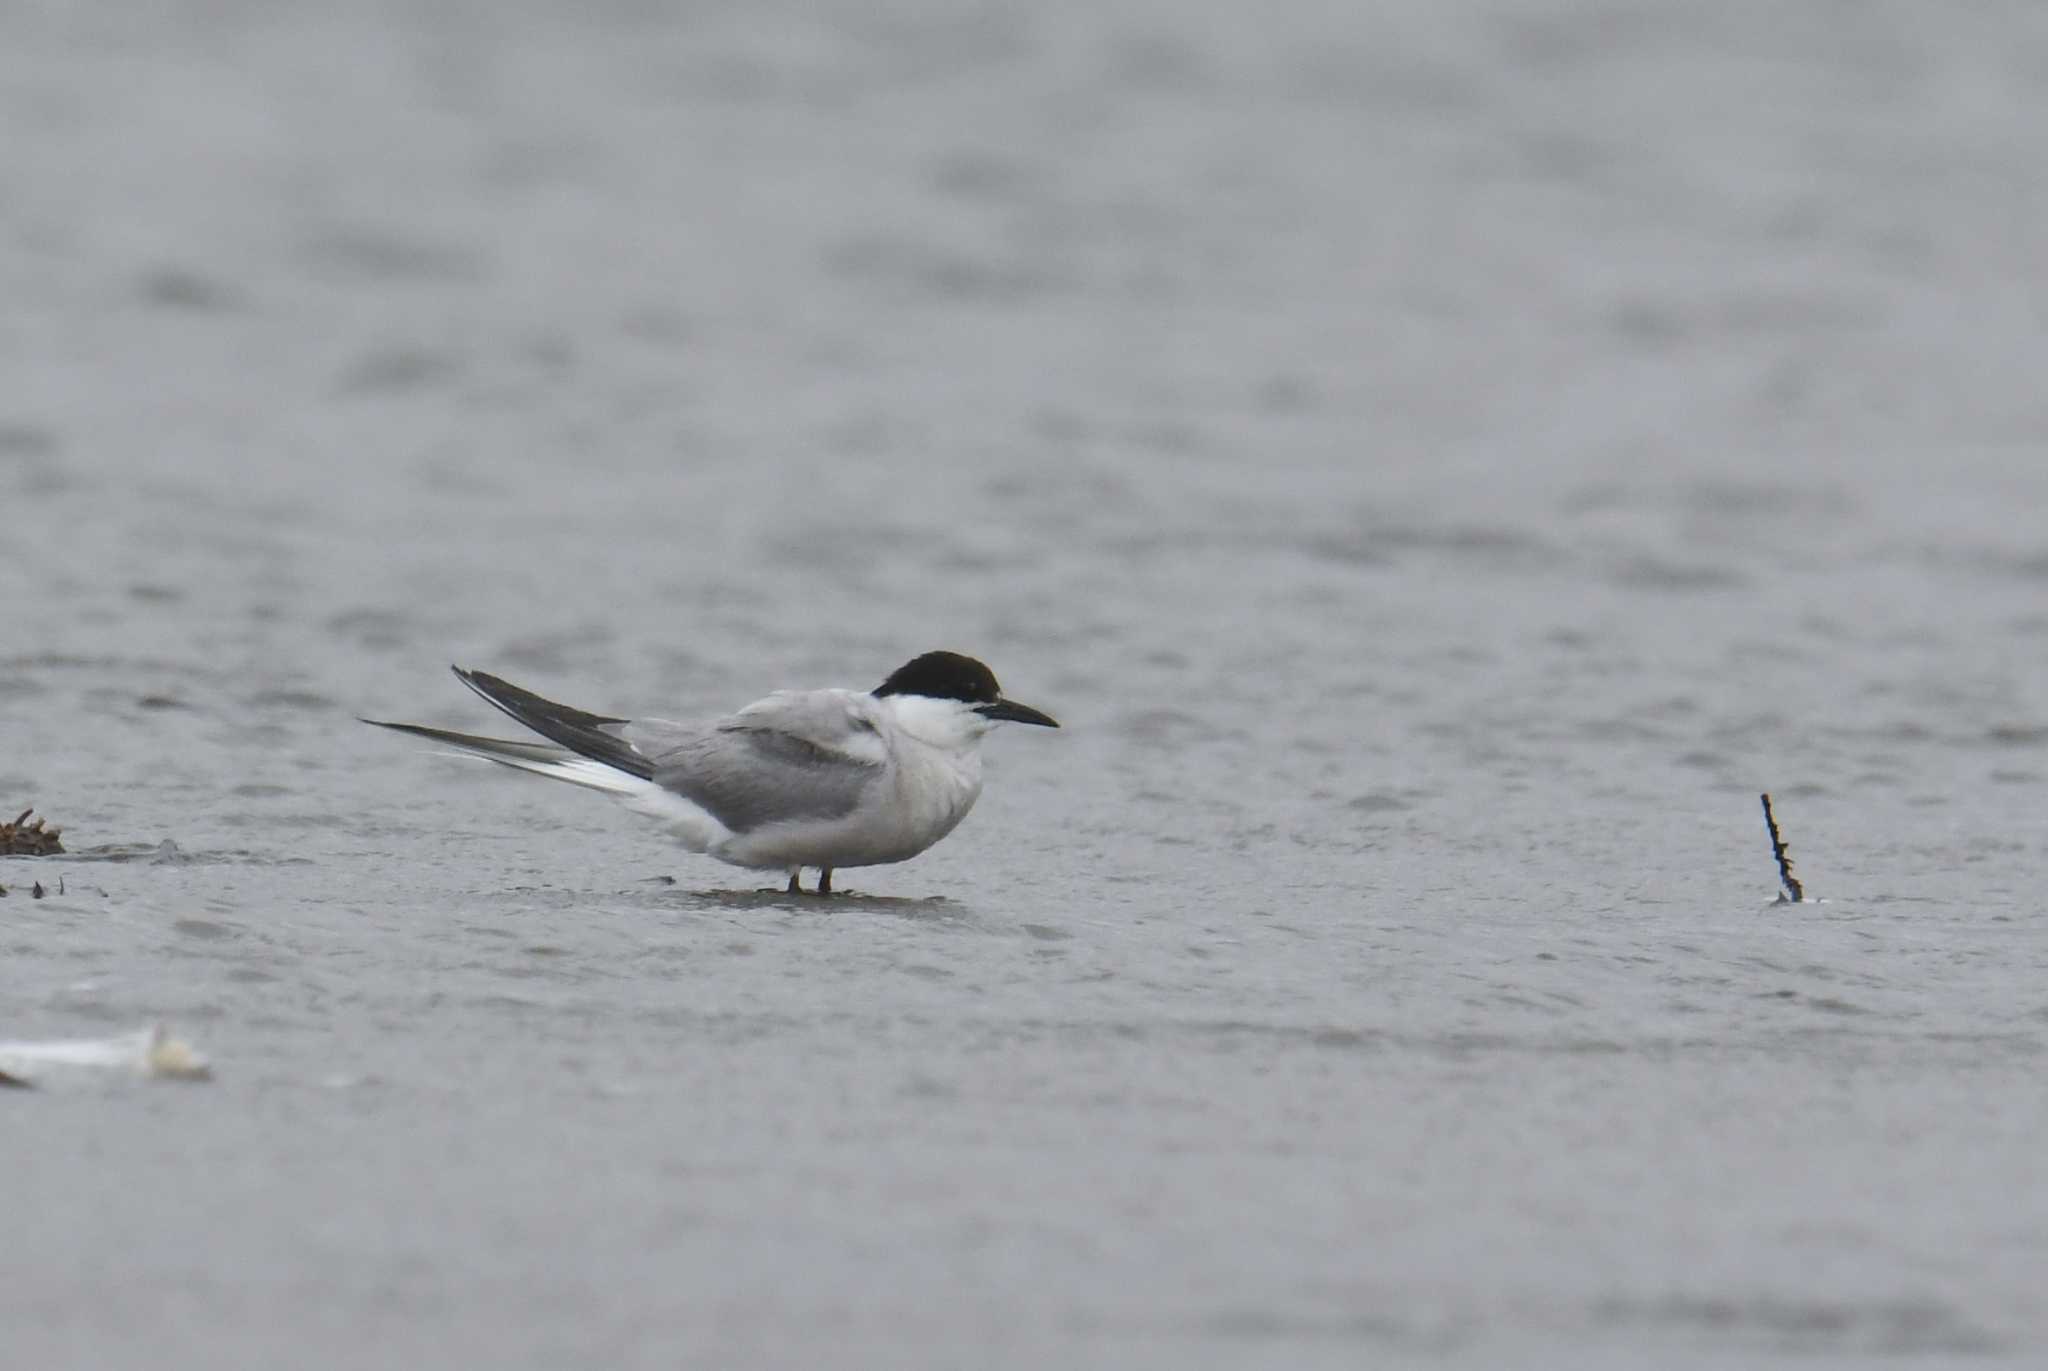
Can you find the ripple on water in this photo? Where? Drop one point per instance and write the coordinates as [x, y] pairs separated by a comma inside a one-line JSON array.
[[1880, 1326], [206, 929], [304, 700], [30, 462], [368, 253], [1165, 727], [901, 266], [1667, 576], [558, 653], [372, 626], [396, 368], [186, 290], [1479, 547]]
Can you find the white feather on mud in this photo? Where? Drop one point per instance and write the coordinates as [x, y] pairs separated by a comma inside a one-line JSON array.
[[152, 1052]]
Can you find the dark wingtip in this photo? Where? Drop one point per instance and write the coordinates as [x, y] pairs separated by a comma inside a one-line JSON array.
[[576, 729], [391, 724], [483, 683], [490, 687]]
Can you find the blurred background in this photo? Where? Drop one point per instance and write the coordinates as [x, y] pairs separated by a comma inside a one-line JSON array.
[[1440, 460]]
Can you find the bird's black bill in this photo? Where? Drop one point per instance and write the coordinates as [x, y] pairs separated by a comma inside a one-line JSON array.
[[1009, 711]]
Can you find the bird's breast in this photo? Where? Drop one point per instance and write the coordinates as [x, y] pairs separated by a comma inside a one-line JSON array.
[[934, 791]]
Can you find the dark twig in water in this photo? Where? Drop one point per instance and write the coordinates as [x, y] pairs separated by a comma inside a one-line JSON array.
[[24, 839], [1784, 856]]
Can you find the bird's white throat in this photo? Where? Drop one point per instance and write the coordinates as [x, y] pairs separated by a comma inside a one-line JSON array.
[[949, 725]]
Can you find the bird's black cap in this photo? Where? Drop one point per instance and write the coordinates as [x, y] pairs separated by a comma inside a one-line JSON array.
[[943, 676]]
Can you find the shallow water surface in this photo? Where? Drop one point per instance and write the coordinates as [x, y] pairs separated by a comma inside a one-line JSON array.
[[1439, 461]]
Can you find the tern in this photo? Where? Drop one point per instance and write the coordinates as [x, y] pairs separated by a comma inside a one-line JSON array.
[[801, 778]]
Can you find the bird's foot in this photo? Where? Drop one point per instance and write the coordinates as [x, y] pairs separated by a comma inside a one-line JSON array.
[[825, 880]]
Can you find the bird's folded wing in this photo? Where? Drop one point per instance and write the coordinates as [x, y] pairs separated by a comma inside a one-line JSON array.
[[793, 757]]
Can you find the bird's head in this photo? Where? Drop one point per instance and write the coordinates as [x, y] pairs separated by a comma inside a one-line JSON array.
[[951, 699]]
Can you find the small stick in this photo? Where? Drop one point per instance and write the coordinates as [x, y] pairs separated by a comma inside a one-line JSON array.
[[1784, 856]]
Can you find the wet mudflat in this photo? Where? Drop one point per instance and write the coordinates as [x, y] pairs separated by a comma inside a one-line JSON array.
[[1438, 462]]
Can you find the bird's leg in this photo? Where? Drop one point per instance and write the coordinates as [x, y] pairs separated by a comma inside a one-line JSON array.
[[794, 888], [824, 880]]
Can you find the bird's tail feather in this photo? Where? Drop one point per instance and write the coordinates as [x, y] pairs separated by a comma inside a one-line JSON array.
[[542, 759]]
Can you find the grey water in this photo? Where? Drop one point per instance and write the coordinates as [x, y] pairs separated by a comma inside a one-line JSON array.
[[1440, 461]]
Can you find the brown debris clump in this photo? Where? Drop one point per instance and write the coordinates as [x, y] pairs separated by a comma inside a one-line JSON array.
[[24, 839]]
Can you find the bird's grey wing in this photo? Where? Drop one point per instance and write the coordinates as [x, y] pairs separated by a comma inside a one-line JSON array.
[[789, 758]]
